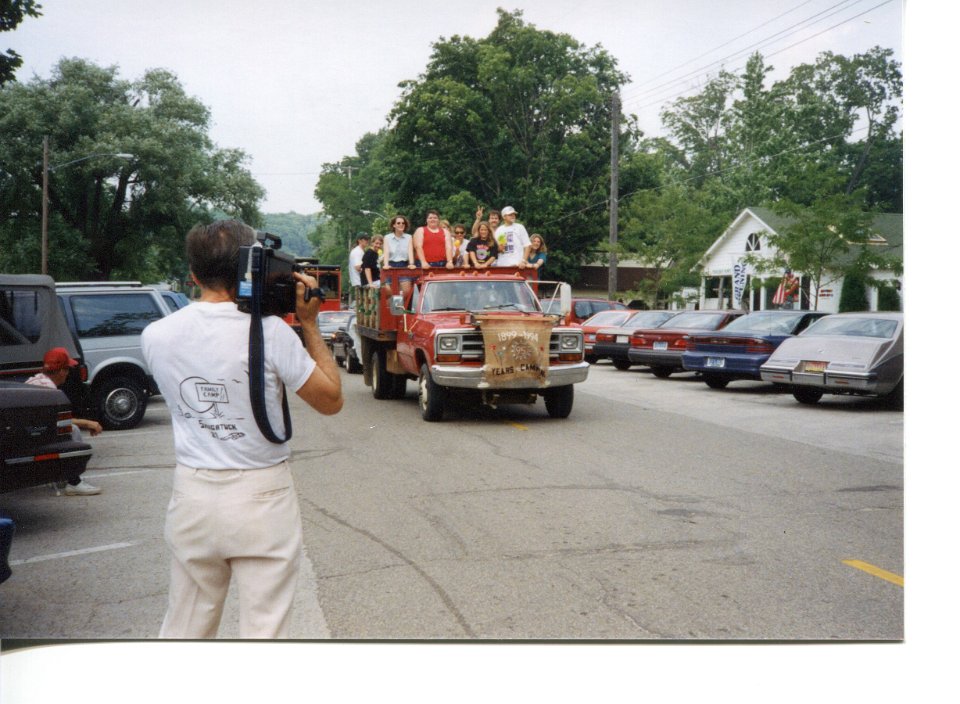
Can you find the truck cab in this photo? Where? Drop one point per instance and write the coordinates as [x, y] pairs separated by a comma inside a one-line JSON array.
[[479, 335]]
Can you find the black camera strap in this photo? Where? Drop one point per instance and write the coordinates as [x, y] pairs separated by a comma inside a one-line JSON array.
[[256, 360]]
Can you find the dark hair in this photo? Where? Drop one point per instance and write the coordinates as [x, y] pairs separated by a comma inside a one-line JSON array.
[[461, 227], [213, 251], [493, 212], [433, 212], [393, 220]]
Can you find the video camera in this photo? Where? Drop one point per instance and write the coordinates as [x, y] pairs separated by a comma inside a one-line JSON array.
[[266, 273]]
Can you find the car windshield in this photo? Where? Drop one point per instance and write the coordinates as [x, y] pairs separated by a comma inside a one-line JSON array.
[[853, 327], [478, 296], [333, 318], [607, 317], [649, 319], [771, 323], [696, 320]]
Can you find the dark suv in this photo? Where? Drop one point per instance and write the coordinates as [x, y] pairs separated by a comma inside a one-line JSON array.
[[107, 317]]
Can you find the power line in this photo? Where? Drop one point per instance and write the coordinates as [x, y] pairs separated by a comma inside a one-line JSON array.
[[762, 44], [712, 173]]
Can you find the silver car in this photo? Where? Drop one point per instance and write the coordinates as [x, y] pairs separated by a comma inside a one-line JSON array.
[[844, 353]]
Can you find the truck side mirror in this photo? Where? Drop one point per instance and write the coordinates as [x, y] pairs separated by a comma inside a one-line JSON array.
[[396, 305], [566, 300]]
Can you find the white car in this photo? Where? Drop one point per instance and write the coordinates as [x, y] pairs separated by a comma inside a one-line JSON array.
[[844, 353]]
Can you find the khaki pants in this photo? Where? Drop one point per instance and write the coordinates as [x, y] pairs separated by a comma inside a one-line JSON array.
[[244, 523]]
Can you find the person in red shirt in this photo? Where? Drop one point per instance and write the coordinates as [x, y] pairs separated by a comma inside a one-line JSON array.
[[431, 243]]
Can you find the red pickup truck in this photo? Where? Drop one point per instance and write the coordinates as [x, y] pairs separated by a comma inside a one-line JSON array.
[[479, 335]]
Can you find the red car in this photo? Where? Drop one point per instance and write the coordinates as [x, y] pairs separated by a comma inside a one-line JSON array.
[[662, 348], [603, 319]]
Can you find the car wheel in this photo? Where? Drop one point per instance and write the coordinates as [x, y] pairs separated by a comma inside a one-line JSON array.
[[661, 372], [806, 394], [430, 396], [622, 364], [715, 381], [381, 380], [353, 364], [591, 359], [894, 399], [559, 401], [121, 403]]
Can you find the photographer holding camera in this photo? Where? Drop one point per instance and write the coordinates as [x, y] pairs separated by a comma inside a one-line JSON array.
[[234, 509]]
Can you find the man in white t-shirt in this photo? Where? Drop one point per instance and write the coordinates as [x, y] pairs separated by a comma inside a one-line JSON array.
[[512, 239], [355, 261], [234, 510]]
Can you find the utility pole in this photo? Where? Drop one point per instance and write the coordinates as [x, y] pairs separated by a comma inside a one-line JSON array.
[[614, 192], [44, 206]]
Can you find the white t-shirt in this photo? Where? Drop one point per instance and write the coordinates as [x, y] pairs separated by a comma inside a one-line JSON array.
[[511, 240], [356, 258], [199, 359]]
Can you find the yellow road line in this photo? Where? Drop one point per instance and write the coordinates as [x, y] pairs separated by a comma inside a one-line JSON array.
[[875, 571], [516, 425]]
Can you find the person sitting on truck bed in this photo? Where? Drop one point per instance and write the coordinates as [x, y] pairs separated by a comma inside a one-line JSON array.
[[483, 249], [431, 243], [398, 253], [371, 263], [493, 220], [459, 246]]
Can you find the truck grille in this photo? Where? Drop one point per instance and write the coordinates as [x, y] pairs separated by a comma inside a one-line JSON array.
[[473, 345]]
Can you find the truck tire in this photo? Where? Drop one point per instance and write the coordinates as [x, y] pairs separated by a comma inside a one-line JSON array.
[[399, 386], [430, 396], [120, 403], [559, 401], [380, 379]]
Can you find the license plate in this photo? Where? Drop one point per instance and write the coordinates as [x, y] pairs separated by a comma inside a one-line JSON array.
[[716, 362], [659, 345], [814, 367], [622, 339]]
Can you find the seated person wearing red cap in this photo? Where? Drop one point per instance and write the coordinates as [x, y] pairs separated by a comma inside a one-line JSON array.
[[56, 368]]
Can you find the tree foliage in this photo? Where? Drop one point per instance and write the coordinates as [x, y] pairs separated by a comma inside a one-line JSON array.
[[112, 217], [520, 117], [12, 13]]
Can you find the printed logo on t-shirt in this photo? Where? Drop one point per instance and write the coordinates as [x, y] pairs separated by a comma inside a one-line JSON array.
[[204, 398]]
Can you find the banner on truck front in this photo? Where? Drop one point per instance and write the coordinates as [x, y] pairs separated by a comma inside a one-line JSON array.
[[515, 348]]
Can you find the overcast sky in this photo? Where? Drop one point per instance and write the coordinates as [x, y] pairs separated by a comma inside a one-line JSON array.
[[295, 83]]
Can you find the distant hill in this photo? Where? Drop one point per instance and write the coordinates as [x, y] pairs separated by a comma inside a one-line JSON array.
[[293, 229]]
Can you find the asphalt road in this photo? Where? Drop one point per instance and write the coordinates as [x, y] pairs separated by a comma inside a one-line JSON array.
[[660, 509]]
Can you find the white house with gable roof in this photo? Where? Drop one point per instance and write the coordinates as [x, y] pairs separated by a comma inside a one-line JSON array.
[[727, 280]]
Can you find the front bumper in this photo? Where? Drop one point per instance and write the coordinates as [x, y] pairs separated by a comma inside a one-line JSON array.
[[471, 377]]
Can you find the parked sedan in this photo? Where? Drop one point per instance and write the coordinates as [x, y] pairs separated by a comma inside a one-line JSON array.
[[346, 346], [614, 342], [35, 437], [603, 319], [662, 348], [844, 353], [737, 351]]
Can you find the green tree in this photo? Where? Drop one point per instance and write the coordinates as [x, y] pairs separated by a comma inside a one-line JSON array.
[[520, 117], [12, 13], [853, 293], [112, 217]]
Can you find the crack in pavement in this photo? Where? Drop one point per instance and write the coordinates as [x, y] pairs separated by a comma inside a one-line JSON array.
[[444, 597]]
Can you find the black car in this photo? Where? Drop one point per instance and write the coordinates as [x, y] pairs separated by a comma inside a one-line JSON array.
[[36, 445], [6, 540]]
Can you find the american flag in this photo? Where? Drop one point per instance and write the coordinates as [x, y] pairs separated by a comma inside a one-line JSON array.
[[788, 284]]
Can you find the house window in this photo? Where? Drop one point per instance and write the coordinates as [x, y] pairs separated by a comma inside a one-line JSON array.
[[753, 242]]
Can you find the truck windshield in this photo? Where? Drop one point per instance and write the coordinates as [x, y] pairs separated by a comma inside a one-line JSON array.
[[478, 296]]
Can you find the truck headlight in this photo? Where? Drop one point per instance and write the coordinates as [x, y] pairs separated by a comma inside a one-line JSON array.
[[448, 343], [570, 343]]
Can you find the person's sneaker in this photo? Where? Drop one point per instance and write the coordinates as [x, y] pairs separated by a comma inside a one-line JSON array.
[[81, 489]]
